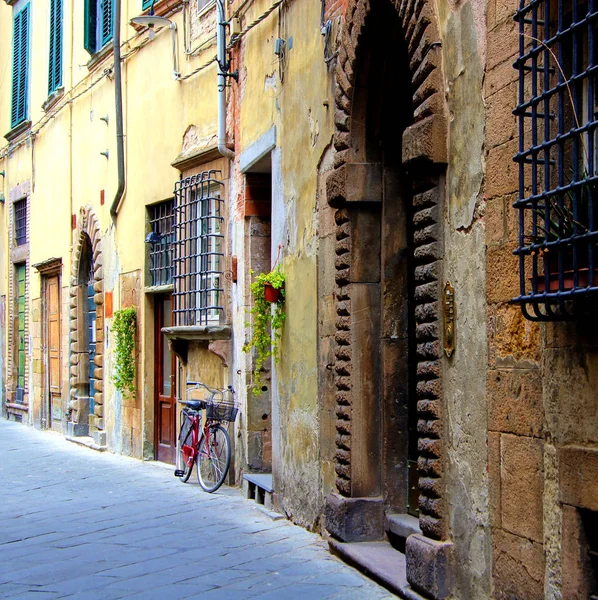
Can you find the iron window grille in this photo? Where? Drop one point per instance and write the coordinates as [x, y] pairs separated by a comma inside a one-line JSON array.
[[557, 121], [160, 250], [198, 251], [20, 211]]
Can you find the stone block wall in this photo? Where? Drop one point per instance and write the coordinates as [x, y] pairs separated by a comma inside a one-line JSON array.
[[541, 382]]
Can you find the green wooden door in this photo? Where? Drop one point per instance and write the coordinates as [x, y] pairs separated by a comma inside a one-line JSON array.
[[21, 326]]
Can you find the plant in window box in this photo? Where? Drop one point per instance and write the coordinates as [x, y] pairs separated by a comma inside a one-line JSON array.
[[563, 219], [268, 291]]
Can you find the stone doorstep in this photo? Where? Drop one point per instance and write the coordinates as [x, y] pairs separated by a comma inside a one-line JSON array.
[[87, 441], [258, 487], [402, 525], [379, 561]]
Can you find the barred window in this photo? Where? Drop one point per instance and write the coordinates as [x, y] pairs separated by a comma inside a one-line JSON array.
[[20, 212], [160, 241], [557, 117], [198, 255]]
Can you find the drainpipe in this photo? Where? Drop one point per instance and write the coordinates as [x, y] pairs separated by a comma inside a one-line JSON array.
[[222, 74], [118, 93]]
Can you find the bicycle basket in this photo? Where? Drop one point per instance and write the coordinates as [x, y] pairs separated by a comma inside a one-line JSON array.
[[222, 411]]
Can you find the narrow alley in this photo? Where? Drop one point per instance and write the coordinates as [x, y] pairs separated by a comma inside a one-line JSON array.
[[85, 525]]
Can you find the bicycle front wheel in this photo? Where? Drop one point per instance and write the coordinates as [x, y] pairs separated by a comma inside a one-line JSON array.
[[213, 459]]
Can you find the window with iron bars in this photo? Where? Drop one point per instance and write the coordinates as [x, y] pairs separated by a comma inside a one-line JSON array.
[[198, 251], [20, 212], [161, 241], [557, 121]]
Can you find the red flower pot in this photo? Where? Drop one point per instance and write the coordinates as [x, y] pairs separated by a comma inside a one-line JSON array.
[[271, 294]]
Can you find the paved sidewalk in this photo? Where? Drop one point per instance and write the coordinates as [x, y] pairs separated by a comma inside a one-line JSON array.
[[75, 523]]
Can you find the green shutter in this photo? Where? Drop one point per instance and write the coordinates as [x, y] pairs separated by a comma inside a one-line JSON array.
[[91, 22], [21, 306], [55, 62], [20, 67], [146, 4], [106, 7]]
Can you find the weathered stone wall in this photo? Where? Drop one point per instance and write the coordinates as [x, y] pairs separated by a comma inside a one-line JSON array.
[[541, 383], [463, 31]]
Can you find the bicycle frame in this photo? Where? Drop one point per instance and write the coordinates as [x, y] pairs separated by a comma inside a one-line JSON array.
[[189, 452]]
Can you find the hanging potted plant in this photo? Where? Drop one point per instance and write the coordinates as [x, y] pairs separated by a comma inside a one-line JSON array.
[[268, 313], [123, 327]]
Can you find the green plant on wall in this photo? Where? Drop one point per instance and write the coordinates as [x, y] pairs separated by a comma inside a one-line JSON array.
[[123, 327], [267, 322]]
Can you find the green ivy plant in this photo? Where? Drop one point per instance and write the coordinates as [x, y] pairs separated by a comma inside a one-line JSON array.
[[267, 323], [123, 327]]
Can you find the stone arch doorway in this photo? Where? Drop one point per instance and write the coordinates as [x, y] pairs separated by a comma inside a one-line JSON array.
[[86, 406], [388, 186]]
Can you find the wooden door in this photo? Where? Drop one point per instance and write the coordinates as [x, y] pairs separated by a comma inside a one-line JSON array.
[[52, 345], [164, 383]]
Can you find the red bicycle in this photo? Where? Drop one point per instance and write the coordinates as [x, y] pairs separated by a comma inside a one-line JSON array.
[[206, 445]]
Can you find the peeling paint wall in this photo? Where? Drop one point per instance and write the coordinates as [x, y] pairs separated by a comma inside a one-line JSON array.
[[463, 40]]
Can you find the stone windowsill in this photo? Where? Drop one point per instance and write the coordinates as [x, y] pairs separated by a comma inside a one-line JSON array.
[[14, 406], [159, 289], [99, 56], [198, 333], [53, 98], [207, 8], [17, 131]]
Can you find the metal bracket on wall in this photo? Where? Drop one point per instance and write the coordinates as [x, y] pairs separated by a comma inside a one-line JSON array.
[[448, 318]]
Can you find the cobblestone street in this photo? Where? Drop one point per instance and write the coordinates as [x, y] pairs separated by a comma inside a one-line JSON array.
[[85, 525]]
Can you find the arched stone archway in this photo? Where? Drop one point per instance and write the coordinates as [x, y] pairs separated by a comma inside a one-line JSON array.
[[387, 185], [87, 259]]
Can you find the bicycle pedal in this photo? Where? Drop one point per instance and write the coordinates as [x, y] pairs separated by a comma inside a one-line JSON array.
[[179, 472]]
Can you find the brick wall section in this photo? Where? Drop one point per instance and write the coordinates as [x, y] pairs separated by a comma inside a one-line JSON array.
[[514, 381]]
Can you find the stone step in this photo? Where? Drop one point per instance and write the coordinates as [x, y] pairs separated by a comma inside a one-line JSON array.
[[258, 487], [379, 561], [399, 527]]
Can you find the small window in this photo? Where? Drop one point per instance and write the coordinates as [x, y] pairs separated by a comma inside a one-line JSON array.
[[55, 56], [198, 256], [20, 67], [160, 242], [558, 148], [99, 16], [20, 211]]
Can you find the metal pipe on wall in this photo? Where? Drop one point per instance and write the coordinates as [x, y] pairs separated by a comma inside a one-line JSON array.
[[120, 151]]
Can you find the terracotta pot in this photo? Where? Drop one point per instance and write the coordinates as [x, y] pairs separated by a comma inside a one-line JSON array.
[[551, 265], [271, 294]]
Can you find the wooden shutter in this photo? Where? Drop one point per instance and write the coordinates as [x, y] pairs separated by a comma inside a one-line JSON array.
[[107, 11], [55, 62], [20, 67], [91, 23]]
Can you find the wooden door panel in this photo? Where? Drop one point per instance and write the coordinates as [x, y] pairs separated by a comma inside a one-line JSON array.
[[52, 328], [164, 384]]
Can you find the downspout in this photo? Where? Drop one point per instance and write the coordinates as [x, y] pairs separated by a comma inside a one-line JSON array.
[[222, 74], [118, 93]]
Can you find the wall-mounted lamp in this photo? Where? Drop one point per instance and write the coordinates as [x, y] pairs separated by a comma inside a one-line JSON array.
[[153, 237], [153, 22]]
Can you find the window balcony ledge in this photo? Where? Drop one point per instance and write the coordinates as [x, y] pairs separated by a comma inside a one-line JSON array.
[[17, 131], [100, 55], [180, 337], [193, 333]]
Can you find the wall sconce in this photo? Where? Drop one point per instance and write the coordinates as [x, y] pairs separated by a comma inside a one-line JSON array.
[[152, 21]]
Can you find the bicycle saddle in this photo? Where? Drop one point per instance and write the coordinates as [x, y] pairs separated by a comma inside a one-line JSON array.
[[195, 404]]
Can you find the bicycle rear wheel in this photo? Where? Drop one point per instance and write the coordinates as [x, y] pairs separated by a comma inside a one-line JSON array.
[[185, 449], [213, 460]]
